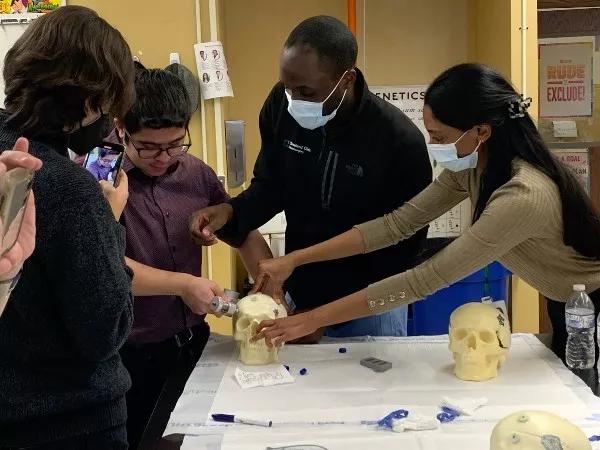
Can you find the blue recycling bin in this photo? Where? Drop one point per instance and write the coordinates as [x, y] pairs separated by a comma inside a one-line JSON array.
[[431, 315]]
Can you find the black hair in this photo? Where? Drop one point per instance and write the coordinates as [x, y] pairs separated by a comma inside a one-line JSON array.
[[331, 39], [102, 153], [161, 101], [473, 94]]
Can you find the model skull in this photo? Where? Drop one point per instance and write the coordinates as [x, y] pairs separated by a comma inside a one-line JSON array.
[[537, 430], [251, 310], [479, 340]]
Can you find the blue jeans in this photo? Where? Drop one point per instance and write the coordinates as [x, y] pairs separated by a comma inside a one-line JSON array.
[[391, 323]]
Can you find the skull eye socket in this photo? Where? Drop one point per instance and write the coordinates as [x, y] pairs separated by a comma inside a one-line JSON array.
[[460, 334], [487, 336], [243, 323]]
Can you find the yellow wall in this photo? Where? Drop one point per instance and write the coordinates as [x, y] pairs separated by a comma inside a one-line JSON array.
[[411, 42], [491, 32]]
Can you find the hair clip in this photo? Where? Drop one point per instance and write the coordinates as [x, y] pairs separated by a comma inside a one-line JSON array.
[[518, 107]]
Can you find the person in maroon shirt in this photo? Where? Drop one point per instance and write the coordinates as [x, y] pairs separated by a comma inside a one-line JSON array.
[[166, 185]]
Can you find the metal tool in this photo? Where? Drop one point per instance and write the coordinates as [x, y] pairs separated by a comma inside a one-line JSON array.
[[226, 306]]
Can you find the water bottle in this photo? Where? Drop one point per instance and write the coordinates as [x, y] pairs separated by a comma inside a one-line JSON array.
[[579, 319]]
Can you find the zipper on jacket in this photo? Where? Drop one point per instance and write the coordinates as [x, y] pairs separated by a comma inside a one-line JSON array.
[[328, 174]]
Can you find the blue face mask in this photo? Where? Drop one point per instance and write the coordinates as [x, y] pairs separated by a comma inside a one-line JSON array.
[[446, 155], [309, 115]]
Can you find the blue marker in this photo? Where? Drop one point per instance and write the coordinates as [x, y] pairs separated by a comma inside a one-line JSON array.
[[230, 418]]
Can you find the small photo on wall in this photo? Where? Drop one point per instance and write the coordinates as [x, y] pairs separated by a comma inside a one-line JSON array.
[[9, 7]]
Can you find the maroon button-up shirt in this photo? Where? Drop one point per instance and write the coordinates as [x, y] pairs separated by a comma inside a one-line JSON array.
[[156, 220]]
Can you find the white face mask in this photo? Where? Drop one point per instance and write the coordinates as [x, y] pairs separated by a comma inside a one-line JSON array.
[[446, 155], [309, 115]]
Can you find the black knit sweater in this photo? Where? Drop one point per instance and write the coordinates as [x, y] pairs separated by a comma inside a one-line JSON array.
[[60, 370]]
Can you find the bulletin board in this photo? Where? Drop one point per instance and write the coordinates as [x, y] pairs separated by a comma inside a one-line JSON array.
[[15, 16]]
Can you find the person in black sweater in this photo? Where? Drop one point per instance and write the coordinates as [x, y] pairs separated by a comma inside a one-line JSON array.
[[62, 383], [333, 154]]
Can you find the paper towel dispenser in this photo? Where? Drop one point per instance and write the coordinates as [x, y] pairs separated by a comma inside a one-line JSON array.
[[236, 161]]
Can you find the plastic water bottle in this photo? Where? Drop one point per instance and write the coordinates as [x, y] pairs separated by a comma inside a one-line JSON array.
[[579, 318]]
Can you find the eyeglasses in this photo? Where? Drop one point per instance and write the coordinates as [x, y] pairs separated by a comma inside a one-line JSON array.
[[151, 151]]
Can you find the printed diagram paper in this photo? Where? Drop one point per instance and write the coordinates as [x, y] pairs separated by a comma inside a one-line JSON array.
[[212, 70]]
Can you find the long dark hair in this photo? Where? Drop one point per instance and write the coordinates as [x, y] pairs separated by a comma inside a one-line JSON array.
[[66, 60], [473, 94]]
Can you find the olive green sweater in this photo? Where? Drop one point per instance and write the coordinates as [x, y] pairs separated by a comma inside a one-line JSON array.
[[521, 227]]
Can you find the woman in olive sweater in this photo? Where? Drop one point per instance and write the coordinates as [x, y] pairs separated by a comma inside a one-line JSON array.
[[529, 211]]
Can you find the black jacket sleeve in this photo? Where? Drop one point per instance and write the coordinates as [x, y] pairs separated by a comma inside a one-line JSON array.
[[263, 198]]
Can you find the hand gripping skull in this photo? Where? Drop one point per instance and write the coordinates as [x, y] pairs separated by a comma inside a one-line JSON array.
[[537, 430], [251, 310], [479, 340]]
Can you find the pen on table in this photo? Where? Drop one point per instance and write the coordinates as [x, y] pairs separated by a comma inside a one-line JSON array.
[[230, 418]]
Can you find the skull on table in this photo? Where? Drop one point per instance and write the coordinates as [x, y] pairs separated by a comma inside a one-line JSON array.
[[251, 310], [479, 340], [537, 430]]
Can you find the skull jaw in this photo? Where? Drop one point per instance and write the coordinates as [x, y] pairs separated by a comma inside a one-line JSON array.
[[257, 353], [475, 369]]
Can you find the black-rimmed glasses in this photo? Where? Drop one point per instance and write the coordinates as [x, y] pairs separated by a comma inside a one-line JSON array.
[[151, 151]]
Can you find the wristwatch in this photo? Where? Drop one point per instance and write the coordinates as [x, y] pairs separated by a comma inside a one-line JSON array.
[[6, 288]]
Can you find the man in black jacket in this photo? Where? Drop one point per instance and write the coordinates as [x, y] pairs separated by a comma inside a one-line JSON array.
[[333, 155]]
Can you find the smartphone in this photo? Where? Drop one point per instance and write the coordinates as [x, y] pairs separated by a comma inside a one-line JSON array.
[[104, 162], [15, 186]]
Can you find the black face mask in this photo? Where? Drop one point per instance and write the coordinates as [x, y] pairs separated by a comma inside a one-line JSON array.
[[84, 139]]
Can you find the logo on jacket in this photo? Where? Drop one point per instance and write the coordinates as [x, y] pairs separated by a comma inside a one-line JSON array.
[[355, 169], [295, 147]]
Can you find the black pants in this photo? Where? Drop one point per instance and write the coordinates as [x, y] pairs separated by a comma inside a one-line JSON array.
[[113, 439], [556, 312], [149, 366]]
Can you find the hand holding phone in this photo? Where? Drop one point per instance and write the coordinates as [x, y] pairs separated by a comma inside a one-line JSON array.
[[104, 162], [116, 196]]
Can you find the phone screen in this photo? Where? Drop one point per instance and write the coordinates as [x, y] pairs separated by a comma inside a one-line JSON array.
[[104, 162]]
